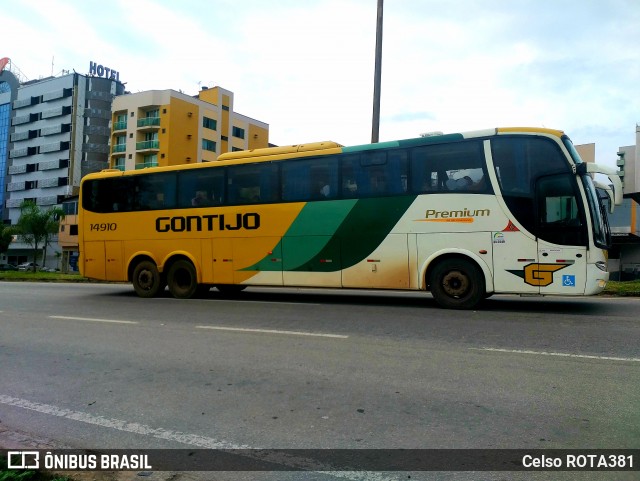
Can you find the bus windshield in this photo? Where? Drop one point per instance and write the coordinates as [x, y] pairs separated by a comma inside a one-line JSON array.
[[599, 219]]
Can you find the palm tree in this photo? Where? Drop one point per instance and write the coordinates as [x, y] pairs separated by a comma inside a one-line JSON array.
[[6, 236], [36, 227]]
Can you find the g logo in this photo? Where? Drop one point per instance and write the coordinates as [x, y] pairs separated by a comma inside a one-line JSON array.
[[541, 274]]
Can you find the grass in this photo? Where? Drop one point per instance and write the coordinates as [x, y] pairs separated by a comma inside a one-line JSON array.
[[614, 288], [626, 288], [26, 474], [41, 277]]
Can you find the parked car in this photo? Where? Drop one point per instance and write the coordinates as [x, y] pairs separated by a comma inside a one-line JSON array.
[[8, 267], [27, 266]]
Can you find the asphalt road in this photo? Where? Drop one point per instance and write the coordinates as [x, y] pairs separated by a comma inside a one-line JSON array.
[[93, 366]]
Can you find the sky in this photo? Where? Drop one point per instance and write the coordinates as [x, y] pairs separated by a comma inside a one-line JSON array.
[[306, 67]]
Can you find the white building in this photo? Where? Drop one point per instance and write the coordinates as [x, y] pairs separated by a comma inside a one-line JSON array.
[[60, 129]]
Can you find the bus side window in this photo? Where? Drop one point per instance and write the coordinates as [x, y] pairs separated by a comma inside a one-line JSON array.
[[201, 187], [424, 174], [253, 183], [396, 171], [349, 167], [310, 179]]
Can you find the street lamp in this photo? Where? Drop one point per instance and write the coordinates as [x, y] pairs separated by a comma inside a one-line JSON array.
[[375, 129]]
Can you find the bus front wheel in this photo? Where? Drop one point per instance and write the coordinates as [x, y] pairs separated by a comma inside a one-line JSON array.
[[147, 281], [182, 279], [457, 284]]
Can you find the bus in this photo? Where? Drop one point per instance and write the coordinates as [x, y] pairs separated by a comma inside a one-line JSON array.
[[463, 215]]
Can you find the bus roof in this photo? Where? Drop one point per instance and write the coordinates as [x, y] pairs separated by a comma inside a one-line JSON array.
[[288, 149], [330, 147]]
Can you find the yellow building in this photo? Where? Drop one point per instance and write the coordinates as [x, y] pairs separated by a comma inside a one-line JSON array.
[[165, 127]]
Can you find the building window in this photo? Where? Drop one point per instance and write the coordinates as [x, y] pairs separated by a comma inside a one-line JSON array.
[[209, 145], [225, 107], [208, 123], [238, 132]]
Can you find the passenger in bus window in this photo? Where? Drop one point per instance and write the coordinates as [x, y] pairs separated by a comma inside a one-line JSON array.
[[478, 186], [201, 199], [459, 184], [349, 187], [325, 190], [466, 183]]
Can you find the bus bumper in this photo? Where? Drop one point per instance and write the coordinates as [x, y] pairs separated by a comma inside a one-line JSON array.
[[598, 280]]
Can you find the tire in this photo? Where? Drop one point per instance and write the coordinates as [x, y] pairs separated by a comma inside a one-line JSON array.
[[147, 281], [182, 279], [230, 288], [457, 284]]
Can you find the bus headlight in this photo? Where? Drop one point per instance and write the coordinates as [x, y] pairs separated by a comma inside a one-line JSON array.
[[601, 265]]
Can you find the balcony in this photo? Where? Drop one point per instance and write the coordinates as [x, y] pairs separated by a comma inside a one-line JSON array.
[[119, 126], [22, 152], [148, 145], [144, 165], [149, 123], [119, 148]]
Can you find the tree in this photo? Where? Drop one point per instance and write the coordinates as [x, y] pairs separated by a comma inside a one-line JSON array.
[[6, 236], [35, 227]]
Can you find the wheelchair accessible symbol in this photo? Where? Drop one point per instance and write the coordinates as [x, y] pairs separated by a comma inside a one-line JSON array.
[[569, 281]]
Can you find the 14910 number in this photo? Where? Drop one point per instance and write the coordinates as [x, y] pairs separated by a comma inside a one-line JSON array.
[[103, 227]]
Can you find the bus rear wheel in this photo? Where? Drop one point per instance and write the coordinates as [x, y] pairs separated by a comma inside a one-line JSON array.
[[147, 281], [182, 279], [457, 284]]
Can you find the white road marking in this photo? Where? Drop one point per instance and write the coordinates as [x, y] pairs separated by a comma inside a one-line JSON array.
[[559, 354], [184, 438], [272, 331], [93, 320]]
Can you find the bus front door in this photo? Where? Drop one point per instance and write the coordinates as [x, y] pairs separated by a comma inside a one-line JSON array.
[[567, 269]]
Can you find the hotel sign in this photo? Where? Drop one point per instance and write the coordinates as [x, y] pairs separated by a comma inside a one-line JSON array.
[[102, 71]]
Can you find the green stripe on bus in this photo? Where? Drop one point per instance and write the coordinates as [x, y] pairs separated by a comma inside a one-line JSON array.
[[364, 229], [308, 234], [334, 235]]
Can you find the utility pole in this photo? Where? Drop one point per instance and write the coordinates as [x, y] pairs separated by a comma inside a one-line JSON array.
[[375, 129]]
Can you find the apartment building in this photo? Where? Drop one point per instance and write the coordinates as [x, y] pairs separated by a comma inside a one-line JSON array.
[[165, 127], [60, 130]]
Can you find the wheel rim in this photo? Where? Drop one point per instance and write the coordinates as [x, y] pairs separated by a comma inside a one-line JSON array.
[[455, 283], [146, 280]]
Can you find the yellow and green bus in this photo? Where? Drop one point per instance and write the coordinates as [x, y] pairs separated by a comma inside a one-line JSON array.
[[464, 216]]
